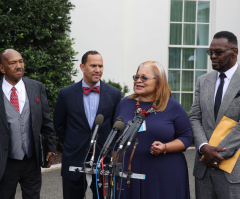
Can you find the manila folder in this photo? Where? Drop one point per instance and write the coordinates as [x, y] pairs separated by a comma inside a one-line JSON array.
[[223, 128]]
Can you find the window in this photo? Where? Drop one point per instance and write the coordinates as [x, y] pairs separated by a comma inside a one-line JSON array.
[[189, 40]]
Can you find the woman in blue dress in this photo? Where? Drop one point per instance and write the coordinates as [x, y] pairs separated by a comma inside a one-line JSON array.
[[166, 133]]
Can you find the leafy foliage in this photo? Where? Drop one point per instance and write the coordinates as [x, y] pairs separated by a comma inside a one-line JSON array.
[[123, 89], [38, 30]]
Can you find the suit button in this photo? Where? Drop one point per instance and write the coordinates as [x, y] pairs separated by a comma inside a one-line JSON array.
[[91, 133]]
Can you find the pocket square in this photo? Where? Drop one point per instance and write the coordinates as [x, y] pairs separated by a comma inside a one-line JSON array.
[[37, 100], [237, 95]]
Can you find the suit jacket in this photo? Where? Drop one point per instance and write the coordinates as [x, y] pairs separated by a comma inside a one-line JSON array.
[[72, 127], [40, 116], [203, 121]]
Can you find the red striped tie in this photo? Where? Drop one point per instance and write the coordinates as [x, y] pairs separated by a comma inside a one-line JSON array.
[[88, 90], [14, 98]]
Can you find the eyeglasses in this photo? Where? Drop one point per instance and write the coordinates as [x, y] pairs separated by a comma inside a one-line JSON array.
[[217, 52], [143, 78]]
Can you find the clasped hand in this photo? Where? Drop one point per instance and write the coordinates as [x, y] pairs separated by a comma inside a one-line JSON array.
[[211, 156], [157, 148]]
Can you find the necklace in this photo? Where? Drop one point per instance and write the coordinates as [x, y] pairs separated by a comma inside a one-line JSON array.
[[138, 108]]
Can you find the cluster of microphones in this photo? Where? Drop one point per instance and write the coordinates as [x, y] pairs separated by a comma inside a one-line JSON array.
[[122, 141], [128, 135]]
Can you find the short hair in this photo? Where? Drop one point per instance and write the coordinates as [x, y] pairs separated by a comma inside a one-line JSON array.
[[163, 91], [232, 39], [1, 56], [85, 56]]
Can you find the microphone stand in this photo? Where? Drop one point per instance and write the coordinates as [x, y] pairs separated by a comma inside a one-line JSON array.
[[94, 150], [130, 162]]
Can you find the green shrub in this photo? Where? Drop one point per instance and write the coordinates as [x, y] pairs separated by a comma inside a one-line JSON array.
[[123, 89], [38, 29]]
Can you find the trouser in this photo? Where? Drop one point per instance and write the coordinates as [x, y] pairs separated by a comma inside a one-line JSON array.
[[27, 173], [77, 189], [214, 185]]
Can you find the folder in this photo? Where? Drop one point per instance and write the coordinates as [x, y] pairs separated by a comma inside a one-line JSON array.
[[223, 128]]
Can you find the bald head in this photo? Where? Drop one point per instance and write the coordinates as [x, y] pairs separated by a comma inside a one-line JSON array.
[[7, 51], [12, 66]]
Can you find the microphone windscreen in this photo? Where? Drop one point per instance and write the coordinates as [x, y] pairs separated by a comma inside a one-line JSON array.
[[120, 118], [99, 119], [129, 122], [119, 125]]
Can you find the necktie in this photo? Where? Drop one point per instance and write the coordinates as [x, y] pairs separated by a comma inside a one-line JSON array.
[[14, 98], [218, 97], [88, 90]]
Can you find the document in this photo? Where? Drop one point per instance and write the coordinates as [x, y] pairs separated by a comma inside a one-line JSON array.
[[223, 128]]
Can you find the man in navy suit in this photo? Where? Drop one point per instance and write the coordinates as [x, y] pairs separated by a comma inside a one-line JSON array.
[[75, 112]]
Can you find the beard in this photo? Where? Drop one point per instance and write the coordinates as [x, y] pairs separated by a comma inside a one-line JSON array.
[[223, 67]]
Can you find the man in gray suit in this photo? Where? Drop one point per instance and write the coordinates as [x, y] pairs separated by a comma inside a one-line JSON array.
[[24, 114], [217, 95]]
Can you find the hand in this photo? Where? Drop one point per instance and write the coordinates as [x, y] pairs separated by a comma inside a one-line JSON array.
[[157, 148], [49, 158], [211, 155]]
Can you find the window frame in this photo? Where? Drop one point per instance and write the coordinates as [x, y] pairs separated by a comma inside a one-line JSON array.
[[195, 46]]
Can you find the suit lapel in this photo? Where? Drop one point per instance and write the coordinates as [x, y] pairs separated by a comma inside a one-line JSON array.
[[79, 100], [233, 88], [103, 99], [30, 94], [210, 89], [2, 107], [102, 102]]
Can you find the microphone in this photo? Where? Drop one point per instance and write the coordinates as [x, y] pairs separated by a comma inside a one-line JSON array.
[[119, 118], [117, 127], [132, 132], [135, 129], [124, 133], [98, 121]]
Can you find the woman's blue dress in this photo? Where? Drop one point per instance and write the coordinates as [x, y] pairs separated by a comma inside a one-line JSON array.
[[166, 175]]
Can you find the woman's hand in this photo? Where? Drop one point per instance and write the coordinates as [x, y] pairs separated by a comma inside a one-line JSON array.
[[157, 148]]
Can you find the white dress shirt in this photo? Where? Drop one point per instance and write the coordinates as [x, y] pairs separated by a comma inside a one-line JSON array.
[[20, 90], [229, 73]]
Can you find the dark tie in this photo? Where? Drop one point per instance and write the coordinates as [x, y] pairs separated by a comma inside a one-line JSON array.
[[14, 98], [88, 90], [218, 97]]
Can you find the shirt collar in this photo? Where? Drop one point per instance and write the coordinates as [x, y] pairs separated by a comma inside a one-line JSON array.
[[7, 87], [84, 84], [229, 73]]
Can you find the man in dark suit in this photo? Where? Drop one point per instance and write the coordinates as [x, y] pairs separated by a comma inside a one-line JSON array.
[[74, 116], [217, 95], [24, 114]]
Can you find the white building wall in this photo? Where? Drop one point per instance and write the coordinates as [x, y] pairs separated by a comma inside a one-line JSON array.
[[129, 32], [145, 35], [97, 25], [226, 16]]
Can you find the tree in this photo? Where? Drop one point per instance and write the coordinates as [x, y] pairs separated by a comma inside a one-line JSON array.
[[38, 29], [123, 89]]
